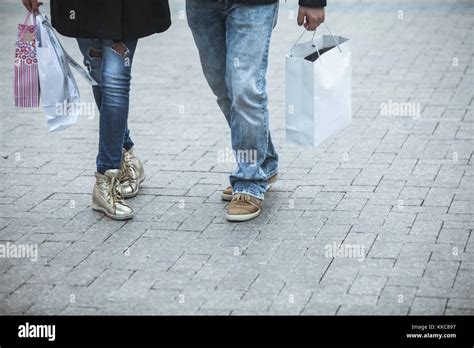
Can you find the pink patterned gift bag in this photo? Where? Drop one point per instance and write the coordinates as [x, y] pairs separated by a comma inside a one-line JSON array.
[[26, 66]]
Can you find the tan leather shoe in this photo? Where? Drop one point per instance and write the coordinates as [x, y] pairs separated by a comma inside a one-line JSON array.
[[243, 207], [107, 196], [133, 174], [228, 192]]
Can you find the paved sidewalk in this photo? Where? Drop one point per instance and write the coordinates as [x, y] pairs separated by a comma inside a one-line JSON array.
[[397, 185]]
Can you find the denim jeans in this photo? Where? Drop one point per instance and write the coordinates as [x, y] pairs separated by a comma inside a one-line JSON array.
[[111, 69], [233, 42]]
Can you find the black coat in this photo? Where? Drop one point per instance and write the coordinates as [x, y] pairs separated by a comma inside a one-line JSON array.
[[110, 19]]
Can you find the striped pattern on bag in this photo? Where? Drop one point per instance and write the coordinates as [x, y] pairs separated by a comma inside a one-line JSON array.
[[26, 82]]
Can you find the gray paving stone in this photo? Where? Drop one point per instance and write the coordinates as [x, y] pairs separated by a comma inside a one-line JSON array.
[[368, 285], [385, 250], [428, 306], [372, 310], [426, 227], [320, 309], [240, 279]]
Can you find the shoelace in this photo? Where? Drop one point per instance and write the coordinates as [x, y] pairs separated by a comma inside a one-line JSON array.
[[116, 191], [127, 170], [241, 198]]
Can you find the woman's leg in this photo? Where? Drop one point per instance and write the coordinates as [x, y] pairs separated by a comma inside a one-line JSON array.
[[117, 60], [92, 50], [110, 64]]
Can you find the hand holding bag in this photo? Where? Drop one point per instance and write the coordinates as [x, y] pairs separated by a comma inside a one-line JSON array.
[[26, 83], [318, 89]]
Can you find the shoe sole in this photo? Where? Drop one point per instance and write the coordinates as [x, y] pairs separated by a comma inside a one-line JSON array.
[[136, 193], [226, 197], [114, 217], [241, 218]]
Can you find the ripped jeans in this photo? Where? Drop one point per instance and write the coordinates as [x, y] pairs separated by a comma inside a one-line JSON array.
[[110, 64]]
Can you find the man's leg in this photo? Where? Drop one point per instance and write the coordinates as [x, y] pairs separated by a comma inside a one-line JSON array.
[[207, 20], [207, 23], [249, 29]]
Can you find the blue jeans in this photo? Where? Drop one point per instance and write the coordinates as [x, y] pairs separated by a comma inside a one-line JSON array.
[[111, 68], [233, 42]]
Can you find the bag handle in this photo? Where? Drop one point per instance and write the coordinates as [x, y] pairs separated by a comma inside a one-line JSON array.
[[314, 33], [317, 49], [28, 16], [33, 22]]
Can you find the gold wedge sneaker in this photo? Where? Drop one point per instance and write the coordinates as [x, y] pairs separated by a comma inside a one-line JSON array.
[[107, 196], [133, 174]]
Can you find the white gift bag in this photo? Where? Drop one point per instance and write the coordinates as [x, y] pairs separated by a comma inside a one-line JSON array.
[[318, 89], [59, 92]]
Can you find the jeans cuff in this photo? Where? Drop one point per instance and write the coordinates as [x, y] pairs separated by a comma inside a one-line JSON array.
[[248, 191], [272, 173], [261, 197], [127, 146], [102, 170]]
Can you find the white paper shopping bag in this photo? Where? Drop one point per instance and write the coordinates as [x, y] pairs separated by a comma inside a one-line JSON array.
[[60, 96], [318, 89]]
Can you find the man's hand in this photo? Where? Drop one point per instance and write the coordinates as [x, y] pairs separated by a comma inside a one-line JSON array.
[[32, 5], [310, 17]]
